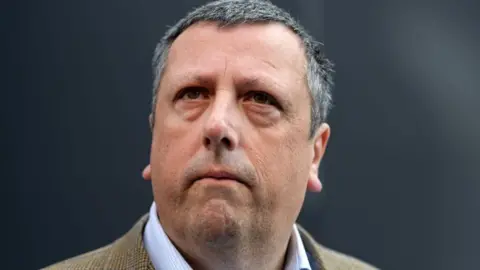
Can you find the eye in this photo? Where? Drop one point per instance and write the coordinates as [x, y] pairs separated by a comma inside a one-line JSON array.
[[192, 93], [261, 98]]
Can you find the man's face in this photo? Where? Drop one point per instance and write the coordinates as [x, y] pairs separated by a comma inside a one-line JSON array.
[[230, 155]]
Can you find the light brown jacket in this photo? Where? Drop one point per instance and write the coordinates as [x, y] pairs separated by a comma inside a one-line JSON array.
[[128, 252]]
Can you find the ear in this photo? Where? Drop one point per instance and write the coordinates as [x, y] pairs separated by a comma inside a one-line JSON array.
[[147, 173], [320, 141]]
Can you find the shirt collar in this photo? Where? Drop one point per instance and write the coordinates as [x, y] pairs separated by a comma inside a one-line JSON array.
[[164, 255], [297, 258]]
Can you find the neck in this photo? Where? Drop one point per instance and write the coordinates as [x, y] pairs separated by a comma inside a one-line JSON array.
[[264, 254]]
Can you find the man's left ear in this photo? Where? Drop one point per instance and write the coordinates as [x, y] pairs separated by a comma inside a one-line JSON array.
[[320, 141]]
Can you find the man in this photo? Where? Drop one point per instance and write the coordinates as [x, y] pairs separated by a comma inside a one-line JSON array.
[[241, 94]]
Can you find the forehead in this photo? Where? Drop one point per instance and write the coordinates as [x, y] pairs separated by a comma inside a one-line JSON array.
[[245, 50]]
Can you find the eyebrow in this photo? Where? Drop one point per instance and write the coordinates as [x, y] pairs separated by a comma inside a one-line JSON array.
[[210, 81], [192, 78]]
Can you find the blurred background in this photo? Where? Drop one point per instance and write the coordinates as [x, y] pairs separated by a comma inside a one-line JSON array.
[[401, 173]]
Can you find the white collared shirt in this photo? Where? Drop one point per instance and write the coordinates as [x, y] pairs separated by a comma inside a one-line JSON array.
[[165, 256]]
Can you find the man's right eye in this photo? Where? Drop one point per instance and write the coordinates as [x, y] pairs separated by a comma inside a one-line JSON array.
[[192, 93]]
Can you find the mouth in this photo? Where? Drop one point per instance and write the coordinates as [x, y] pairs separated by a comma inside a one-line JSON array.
[[219, 176]]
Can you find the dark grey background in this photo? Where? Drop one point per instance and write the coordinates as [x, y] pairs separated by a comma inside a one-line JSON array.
[[401, 171]]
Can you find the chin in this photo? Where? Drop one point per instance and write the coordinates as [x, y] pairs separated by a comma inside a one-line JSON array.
[[216, 224]]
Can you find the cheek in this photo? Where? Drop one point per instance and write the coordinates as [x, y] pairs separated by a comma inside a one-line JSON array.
[[291, 176], [169, 156], [282, 164], [168, 142]]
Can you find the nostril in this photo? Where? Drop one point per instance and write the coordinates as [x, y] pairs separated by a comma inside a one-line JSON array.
[[227, 142], [224, 142], [206, 141]]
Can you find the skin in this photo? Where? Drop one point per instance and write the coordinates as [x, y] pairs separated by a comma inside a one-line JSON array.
[[234, 99]]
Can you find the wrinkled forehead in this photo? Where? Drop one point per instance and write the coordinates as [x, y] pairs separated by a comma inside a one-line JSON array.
[[251, 44]]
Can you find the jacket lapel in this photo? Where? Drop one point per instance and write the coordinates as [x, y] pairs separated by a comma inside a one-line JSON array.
[[131, 250]]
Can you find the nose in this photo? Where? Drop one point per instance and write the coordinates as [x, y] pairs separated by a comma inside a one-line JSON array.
[[219, 131]]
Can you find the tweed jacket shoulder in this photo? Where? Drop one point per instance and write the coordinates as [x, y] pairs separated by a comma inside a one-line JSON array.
[[128, 252]]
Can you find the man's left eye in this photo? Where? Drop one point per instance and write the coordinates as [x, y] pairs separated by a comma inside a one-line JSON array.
[[261, 98]]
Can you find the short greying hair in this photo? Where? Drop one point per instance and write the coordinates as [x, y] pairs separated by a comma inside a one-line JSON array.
[[234, 12]]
